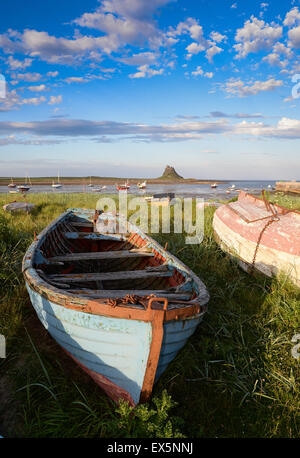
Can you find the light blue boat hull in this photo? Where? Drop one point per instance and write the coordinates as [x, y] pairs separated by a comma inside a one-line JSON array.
[[114, 348]]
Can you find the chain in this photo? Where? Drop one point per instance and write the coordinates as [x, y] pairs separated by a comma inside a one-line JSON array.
[[272, 220]]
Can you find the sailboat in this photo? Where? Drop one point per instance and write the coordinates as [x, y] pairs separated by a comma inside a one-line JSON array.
[[58, 184], [142, 185], [12, 184], [90, 185], [25, 187]]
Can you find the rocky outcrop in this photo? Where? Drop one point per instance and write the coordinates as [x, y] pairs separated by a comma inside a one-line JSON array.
[[171, 174]]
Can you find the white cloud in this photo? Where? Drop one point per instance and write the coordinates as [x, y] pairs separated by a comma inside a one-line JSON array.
[[39, 88], [55, 99], [76, 79], [201, 72], [236, 87], [286, 128], [264, 6], [217, 37], [191, 27], [11, 101], [274, 59], [145, 71], [256, 35], [29, 77], [125, 22], [34, 101], [52, 74], [212, 51], [16, 64], [121, 23], [194, 48], [141, 58], [292, 17], [294, 36]]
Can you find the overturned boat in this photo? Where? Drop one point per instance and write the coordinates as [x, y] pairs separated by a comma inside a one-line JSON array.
[[118, 303], [18, 206], [261, 235]]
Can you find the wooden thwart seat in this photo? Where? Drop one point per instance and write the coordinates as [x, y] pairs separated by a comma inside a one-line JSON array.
[[95, 236], [81, 224], [121, 275], [117, 293], [134, 253]]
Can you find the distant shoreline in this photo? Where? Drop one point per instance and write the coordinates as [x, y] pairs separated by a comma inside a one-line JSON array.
[[4, 181]]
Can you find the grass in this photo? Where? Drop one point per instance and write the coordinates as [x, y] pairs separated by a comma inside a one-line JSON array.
[[236, 376]]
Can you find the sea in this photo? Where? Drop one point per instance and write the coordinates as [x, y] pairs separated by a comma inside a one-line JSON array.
[[181, 190]]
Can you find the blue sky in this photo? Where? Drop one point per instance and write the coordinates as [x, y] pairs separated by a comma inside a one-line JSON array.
[[124, 87]]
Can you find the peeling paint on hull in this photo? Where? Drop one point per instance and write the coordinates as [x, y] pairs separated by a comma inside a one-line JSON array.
[[114, 348], [113, 351], [279, 247]]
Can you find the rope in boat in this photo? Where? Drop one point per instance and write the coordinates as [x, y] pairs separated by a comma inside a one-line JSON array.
[[129, 299], [143, 300]]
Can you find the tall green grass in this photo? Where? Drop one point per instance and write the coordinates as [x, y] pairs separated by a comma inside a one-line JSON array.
[[236, 376]]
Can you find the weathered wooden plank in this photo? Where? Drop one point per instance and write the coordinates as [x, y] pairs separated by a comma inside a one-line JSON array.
[[248, 211], [121, 275], [116, 293], [134, 253], [95, 236], [81, 224]]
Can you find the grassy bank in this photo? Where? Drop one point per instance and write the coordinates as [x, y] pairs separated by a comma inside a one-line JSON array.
[[236, 376]]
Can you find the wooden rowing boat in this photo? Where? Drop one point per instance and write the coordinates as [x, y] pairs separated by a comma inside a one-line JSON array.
[[117, 302], [260, 235]]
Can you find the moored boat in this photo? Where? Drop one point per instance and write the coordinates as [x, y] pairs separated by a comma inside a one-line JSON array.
[[23, 187], [11, 184], [123, 187], [118, 303], [57, 185], [26, 186], [261, 235]]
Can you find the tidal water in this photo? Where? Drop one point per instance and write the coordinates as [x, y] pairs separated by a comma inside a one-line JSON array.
[[181, 190]]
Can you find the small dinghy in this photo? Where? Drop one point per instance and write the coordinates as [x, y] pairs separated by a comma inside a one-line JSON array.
[[18, 206], [260, 235], [118, 303]]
